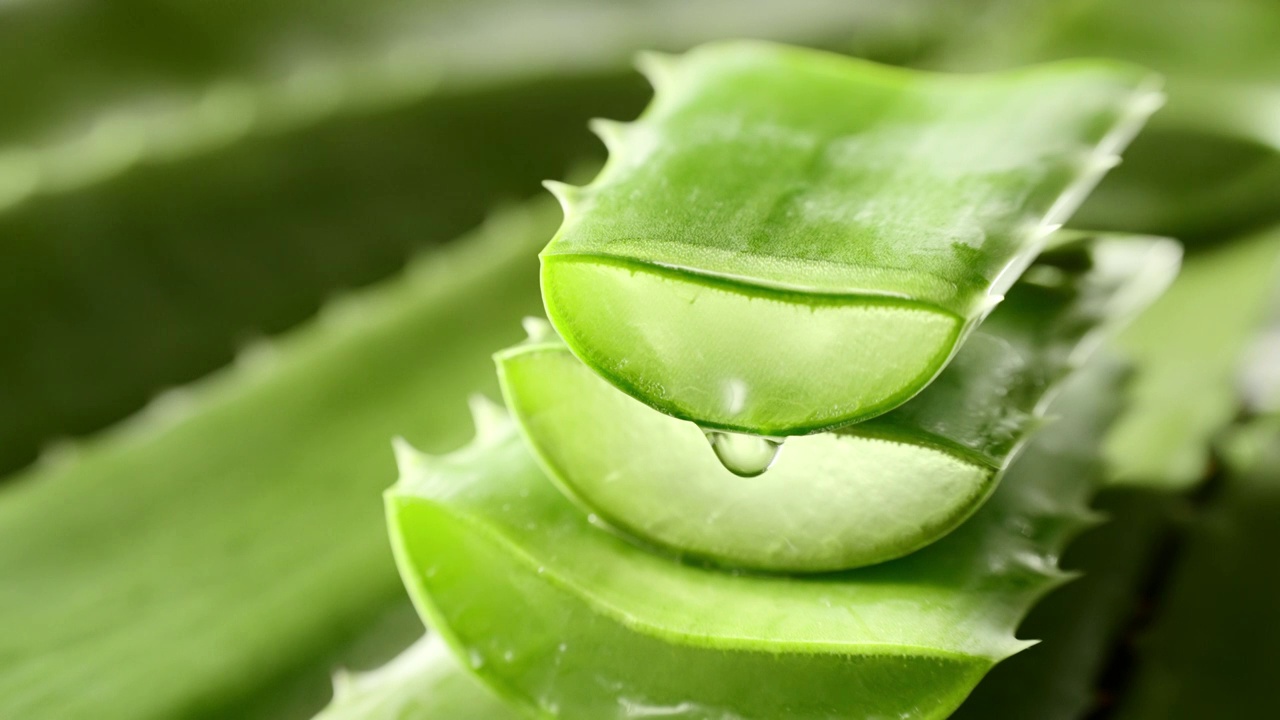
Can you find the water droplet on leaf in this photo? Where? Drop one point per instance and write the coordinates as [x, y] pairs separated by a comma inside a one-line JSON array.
[[744, 455]]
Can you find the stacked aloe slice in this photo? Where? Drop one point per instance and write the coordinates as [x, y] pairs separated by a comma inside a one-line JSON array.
[[812, 418]]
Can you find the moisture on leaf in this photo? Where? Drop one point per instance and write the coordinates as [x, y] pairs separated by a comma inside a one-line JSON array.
[[788, 241], [566, 619], [869, 492]]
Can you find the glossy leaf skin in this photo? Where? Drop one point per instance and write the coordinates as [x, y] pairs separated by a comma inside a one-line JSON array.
[[777, 213], [565, 619], [231, 541], [866, 494]]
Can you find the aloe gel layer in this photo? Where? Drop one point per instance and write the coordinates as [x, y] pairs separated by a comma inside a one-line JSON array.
[[788, 240]]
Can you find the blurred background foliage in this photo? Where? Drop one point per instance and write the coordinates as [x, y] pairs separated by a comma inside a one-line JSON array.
[[184, 186]]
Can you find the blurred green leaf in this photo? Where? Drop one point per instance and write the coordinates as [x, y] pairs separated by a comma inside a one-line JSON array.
[[231, 537], [1188, 348]]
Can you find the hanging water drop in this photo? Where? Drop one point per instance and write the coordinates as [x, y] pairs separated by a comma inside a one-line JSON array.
[[744, 455]]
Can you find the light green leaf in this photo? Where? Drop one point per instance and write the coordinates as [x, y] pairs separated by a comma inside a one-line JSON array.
[[871, 491], [568, 620], [778, 213]]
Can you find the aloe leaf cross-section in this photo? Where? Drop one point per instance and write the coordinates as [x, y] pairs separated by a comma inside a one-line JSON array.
[[860, 495], [788, 240], [564, 619]]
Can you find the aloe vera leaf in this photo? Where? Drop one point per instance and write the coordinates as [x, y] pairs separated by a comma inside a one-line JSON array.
[[94, 92], [1187, 348], [1080, 624], [180, 566], [562, 618], [778, 213], [222, 190], [1213, 647], [424, 683], [1207, 166], [868, 493], [108, 300]]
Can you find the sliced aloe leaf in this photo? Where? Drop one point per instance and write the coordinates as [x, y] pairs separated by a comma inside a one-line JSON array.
[[230, 540], [424, 683], [867, 493], [173, 188], [787, 240], [565, 619], [1188, 348]]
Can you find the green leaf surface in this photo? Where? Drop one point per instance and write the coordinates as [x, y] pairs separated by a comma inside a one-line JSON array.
[[567, 620], [230, 538], [777, 213], [1188, 348], [868, 493], [424, 683]]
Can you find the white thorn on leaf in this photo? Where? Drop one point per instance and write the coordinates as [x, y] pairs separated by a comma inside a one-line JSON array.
[[658, 68], [565, 193], [408, 458], [490, 418], [538, 330], [610, 132]]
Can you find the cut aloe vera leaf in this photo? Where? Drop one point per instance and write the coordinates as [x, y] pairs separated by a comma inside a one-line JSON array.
[[1188, 349], [424, 683], [565, 619], [231, 539], [271, 134], [867, 493], [788, 240]]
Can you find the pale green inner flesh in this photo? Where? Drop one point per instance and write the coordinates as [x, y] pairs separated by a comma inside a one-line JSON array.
[[743, 359], [868, 492], [559, 615], [829, 501], [811, 235]]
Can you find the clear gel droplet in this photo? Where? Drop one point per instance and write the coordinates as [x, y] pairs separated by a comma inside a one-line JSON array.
[[744, 455]]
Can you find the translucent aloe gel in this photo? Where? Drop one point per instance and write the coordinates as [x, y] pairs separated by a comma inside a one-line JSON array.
[[788, 241]]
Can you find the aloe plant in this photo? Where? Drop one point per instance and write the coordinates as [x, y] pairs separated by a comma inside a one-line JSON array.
[[867, 493], [564, 619], [219, 555], [172, 189], [777, 213]]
